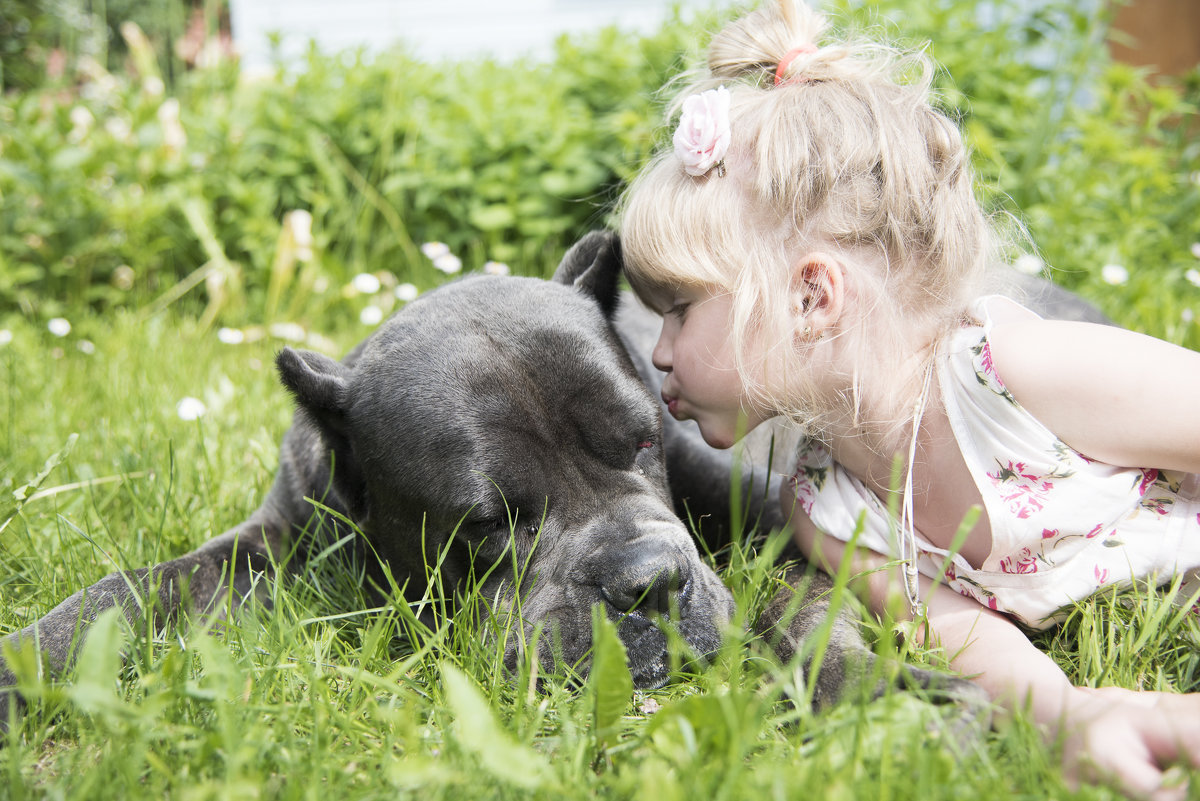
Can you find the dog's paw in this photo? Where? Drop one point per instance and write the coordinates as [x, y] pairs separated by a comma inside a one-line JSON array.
[[966, 708]]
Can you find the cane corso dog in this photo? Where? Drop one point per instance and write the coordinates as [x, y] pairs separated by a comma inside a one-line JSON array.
[[496, 424]]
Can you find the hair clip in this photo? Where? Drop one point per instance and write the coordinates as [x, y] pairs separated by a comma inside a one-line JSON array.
[[702, 138]]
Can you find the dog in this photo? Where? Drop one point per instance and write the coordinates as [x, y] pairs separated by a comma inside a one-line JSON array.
[[501, 432]]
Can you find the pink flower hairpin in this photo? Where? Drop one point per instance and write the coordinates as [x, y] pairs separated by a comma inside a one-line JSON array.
[[702, 138]]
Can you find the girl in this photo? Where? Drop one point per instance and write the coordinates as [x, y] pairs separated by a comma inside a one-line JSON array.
[[816, 249]]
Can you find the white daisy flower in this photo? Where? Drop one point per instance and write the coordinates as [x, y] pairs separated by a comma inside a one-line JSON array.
[[496, 268], [1114, 274], [433, 250], [5, 337], [299, 224], [371, 315], [407, 292], [448, 263], [59, 326], [366, 284], [1193, 277], [231, 336], [293, 332], [86, 347], [190, 408]]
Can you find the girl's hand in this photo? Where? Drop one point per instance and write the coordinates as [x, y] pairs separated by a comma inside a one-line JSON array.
[[1132, 739]]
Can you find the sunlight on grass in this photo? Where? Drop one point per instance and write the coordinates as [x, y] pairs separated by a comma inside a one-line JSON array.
[[166, 232]]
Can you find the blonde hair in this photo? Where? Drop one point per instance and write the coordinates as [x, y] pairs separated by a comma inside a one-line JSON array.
[[848, 153]]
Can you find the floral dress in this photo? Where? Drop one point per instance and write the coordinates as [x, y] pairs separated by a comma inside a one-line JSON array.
[[1063, 525]]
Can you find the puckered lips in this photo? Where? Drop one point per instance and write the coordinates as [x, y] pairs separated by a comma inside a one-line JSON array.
[[672, 404]]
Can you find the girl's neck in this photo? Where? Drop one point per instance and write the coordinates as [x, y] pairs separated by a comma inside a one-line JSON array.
[[869, 436]]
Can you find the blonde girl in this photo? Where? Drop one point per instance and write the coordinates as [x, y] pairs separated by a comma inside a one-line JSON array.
[[814, 244]]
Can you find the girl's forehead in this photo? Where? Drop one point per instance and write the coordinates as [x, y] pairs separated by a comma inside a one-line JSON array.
[[662, 295]]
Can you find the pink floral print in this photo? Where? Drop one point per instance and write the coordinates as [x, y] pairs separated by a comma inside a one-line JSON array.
[[1023, 562], [986, 363], [1024, 492]]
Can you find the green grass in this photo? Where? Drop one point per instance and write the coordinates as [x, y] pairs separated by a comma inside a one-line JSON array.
[[314, 700], [309, 701]]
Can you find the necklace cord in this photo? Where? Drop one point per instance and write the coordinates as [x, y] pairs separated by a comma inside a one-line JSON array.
[[908, 534]]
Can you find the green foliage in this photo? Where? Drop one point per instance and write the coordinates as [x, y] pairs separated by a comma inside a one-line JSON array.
[[110, 194], [144, 240], [609, 680], [39, 37], [339, 693], [1099, 162]]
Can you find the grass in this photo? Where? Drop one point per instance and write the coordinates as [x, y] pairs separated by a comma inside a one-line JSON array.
[[321, 699], [310, 701]]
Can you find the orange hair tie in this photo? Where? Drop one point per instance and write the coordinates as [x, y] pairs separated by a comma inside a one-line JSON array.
[[786, 61]]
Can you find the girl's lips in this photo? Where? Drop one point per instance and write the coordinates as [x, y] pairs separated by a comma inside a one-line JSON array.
[[672, 405]]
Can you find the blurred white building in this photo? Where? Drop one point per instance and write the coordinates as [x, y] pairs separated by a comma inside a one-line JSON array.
[[437, 30]]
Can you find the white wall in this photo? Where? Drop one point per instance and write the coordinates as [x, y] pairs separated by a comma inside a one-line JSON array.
[[433, 29]]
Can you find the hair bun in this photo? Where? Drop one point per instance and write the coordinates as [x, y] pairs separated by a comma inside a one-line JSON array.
[[753, 46]]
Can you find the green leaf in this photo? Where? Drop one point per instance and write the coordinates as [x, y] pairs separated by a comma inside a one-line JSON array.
[[23, 493], [95, 689], [479, 733], [492, 217], [610, 683]]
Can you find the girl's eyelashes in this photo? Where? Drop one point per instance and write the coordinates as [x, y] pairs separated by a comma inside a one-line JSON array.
[[678, 310]]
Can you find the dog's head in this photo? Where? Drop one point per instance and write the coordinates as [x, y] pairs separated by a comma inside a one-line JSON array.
[[496, 429]]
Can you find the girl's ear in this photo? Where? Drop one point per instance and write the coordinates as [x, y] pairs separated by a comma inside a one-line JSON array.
[[818, 294]]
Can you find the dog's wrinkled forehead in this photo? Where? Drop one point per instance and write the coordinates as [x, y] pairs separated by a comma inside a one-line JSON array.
[[502, 366]]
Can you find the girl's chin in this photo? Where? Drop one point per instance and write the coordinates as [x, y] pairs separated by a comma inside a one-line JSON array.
[[718, 440]]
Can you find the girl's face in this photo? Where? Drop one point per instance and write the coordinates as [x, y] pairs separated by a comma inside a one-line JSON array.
[[702, 381]]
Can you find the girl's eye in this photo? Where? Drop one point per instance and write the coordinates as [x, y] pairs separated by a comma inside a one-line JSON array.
[[678, 310]]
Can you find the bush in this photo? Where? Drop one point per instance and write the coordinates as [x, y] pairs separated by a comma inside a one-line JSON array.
[[117, 186], [112, 193], [1100, 163]]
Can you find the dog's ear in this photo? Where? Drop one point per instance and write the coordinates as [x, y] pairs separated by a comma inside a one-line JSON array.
[[593, 266], [319, 384], [322, 390]]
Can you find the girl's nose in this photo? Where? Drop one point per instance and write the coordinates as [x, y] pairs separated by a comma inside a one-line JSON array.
[[661, 355]]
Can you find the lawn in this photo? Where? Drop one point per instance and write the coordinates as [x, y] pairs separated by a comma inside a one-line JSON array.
[[320, 698], [141, 274]]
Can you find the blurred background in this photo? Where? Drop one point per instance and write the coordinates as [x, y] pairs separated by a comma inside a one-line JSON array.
[[243, 161]]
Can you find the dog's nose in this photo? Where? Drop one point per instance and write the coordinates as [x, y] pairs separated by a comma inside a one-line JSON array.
[[645, 580]]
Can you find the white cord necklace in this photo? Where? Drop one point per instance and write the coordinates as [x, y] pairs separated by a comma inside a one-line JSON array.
[[908, 533]]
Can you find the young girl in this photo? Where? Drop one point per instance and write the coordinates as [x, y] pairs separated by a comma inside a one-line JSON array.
[[814, 244]]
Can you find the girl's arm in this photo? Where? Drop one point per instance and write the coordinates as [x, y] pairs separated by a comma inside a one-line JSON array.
[[1127, 737], [1113, 395]]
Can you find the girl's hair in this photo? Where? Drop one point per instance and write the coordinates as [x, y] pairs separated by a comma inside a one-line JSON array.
[[845, 154]]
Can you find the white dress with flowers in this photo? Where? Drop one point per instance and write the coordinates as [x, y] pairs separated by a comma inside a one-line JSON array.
[[1063, 525]]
